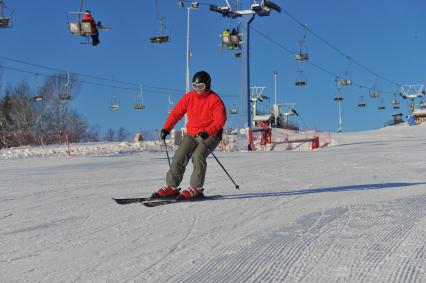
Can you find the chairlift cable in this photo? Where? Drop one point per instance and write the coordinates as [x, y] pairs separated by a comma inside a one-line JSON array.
[[339, 51], [87, 75], [288, 50]]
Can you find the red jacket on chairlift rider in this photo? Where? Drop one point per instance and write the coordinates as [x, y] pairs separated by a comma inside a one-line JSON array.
[[87, 17]]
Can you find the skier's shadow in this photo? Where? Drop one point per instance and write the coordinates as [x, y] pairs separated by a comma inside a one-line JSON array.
[[363, 187]]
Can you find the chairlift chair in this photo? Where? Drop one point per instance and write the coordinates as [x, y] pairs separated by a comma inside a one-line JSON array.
[[5, 22], [234, 110], [382, 107], [65, 93], [300, 81], [114, 104], [361, 103], [38, 98], [395, 104], [346, 82], [422, 105], [301, 56], [160, 36], [139, 101], [374, 94], [338, 98]]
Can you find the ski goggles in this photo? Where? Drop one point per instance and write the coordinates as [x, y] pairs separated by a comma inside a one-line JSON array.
[[199, 86]]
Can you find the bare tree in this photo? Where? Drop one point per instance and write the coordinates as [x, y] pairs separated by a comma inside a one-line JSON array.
[[109, 135], [123, 134]]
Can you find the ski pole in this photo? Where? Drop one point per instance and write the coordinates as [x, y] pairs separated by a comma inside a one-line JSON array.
[[208, 148], [167, 152]]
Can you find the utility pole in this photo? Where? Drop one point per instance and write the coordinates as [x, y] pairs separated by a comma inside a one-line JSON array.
[[275, 73]]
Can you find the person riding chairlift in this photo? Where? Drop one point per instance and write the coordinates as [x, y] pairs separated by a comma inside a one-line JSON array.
[[87, 18]]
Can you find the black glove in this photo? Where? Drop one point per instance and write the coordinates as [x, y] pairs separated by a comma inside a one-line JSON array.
[[203, 135], [164, 133]]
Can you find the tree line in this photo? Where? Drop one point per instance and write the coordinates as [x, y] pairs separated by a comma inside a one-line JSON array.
[[42, 115]]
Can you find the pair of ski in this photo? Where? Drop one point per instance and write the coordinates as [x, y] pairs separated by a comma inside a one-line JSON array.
[[155, 201]]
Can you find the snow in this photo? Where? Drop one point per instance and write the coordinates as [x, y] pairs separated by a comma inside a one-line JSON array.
[[349, 212]]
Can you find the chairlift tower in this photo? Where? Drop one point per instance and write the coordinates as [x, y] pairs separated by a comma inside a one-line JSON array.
[[247, 16]]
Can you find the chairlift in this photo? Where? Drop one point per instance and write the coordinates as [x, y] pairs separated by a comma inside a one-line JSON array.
[[361, 103], [169, 105], [381, 106], [65, 94], [231, 39], [160, 35], [395, 103], [139, 101], [338, 97], [5, 22], [84, 29], [300, 81], [346, 80], [302, 55], [37, 97], [234, 109], [114, 103], [422, 104], [374, 94]]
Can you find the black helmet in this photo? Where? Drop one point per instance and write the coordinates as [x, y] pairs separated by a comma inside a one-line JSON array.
[[202, 77]]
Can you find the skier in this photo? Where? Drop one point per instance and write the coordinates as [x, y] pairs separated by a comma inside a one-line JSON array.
[[87, 18], [206, 117]]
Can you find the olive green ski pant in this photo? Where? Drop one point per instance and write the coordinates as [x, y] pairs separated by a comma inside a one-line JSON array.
[[188, 148]]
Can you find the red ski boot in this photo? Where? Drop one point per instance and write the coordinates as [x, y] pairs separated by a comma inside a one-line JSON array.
[[166, 192], [191, 193]]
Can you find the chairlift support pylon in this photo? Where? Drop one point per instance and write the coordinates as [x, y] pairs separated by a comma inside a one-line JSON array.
[[160, 35], [262, 9]]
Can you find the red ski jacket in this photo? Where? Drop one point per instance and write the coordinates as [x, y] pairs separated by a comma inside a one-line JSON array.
[[87, 18], [206, 113]]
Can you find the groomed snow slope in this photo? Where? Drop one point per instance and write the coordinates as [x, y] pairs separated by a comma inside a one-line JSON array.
[[351, 212]]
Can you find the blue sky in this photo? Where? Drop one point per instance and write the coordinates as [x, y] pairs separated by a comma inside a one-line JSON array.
[[387, 37]]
